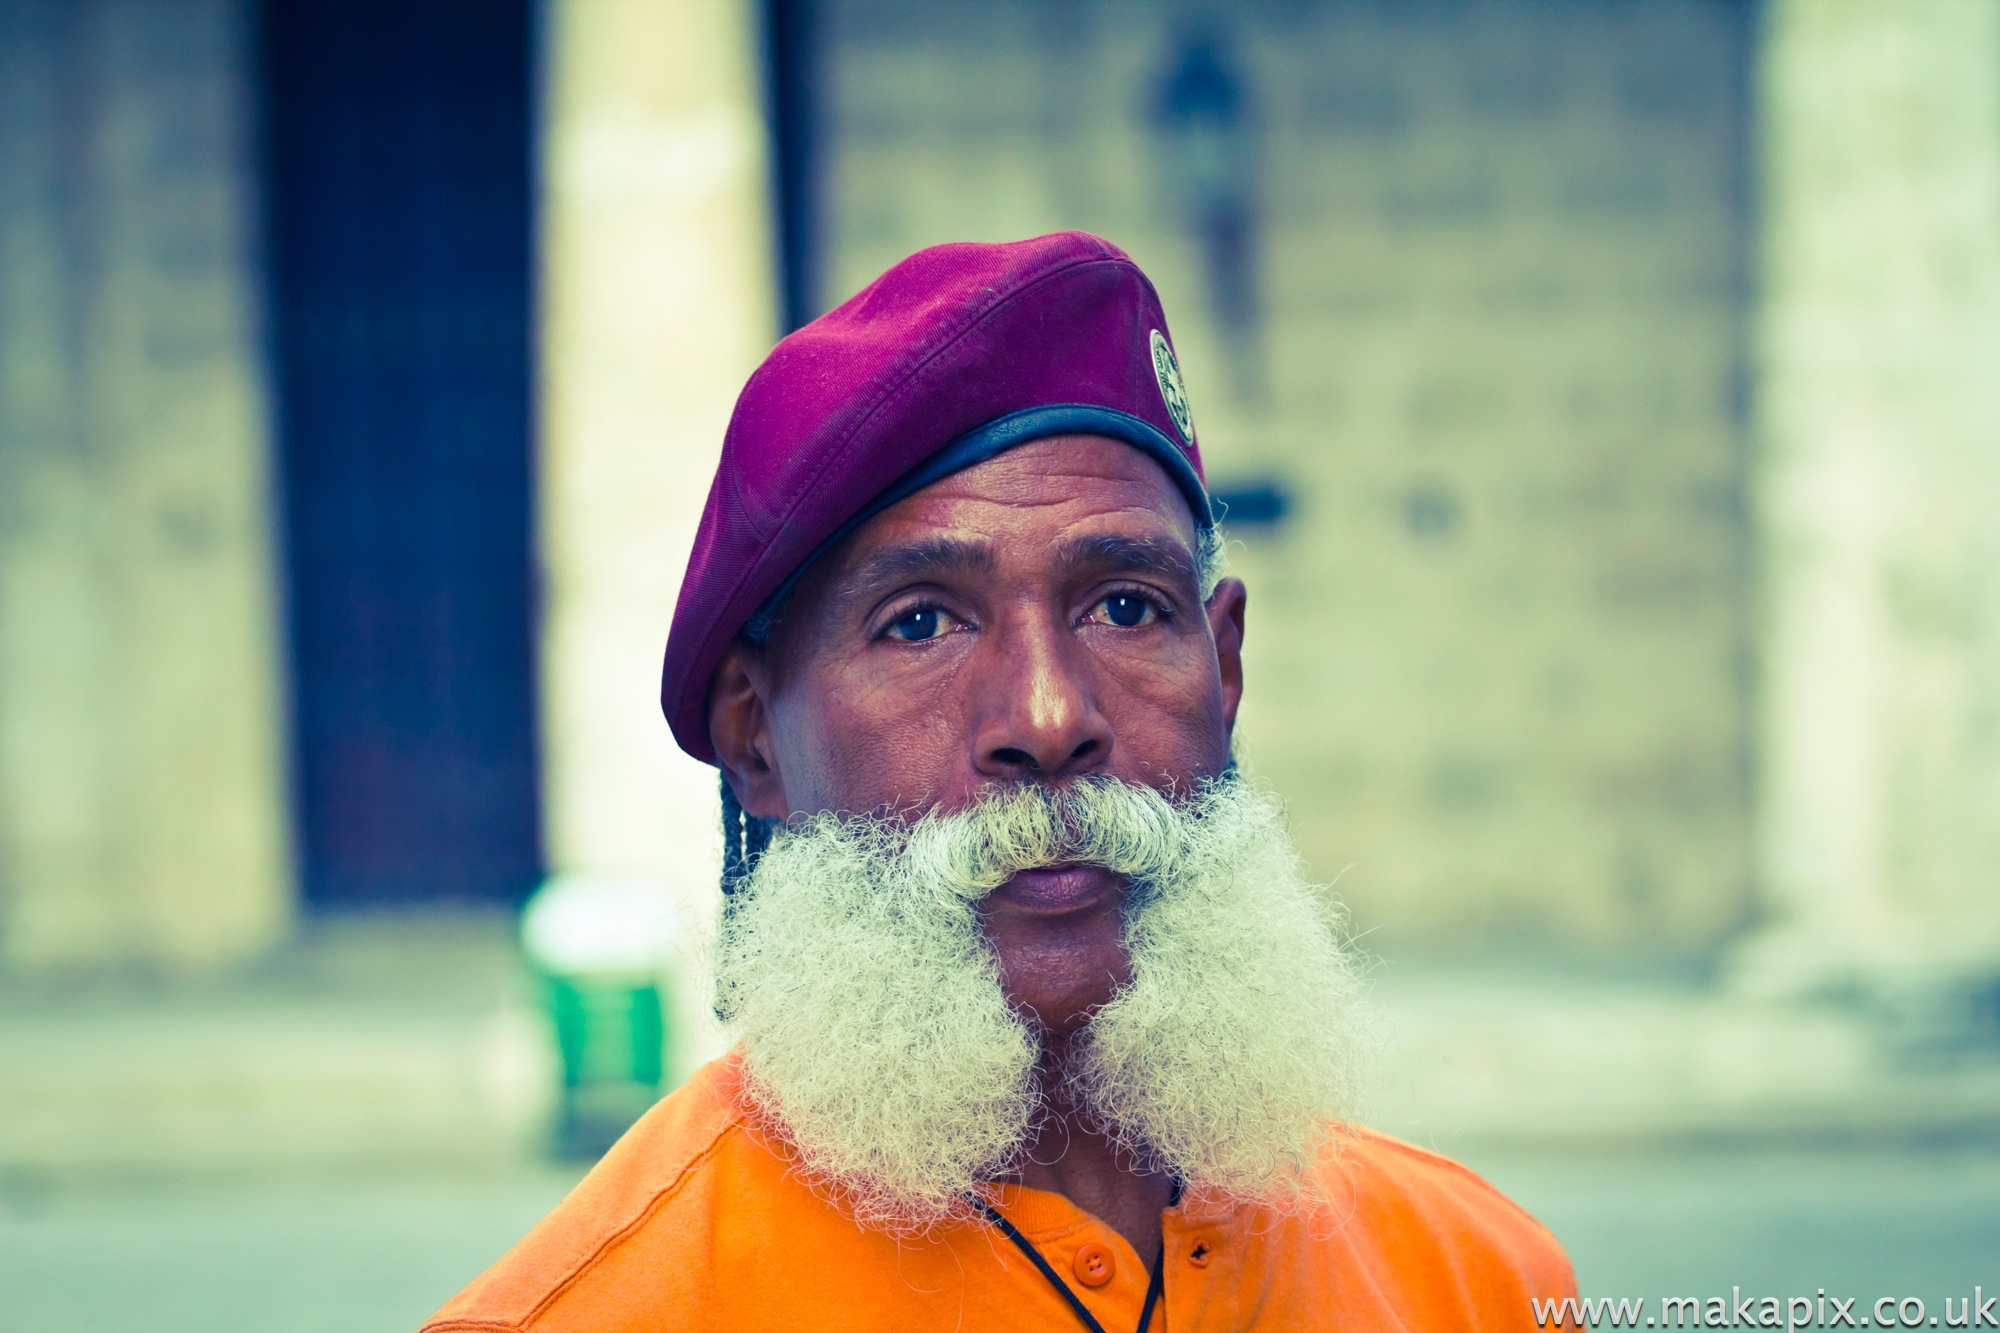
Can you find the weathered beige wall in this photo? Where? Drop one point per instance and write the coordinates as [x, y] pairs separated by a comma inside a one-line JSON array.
[[657, 302], [1879, 489], [1498, 661], [141, 777]]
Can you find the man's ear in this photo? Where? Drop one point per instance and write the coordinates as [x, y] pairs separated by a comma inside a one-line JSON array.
[[739, 727], [1225, 624]]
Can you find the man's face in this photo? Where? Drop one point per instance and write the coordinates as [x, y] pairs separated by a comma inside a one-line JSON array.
[[1036, 617]]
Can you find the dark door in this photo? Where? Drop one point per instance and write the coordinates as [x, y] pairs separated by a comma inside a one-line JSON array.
[[396, 152]]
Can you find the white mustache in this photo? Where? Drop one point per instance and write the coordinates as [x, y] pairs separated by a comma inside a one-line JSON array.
[[1132, 830]]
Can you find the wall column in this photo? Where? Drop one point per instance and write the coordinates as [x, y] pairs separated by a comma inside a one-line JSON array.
[[1879, 493], [657, 302], [142, 796]]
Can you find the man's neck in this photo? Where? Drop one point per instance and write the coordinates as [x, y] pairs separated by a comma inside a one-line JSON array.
[[1067, 1157]]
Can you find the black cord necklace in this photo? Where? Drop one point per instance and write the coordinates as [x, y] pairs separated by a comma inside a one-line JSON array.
[[1155, 1285]]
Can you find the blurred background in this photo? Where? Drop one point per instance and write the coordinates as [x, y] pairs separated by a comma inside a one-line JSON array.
[[1606, 395]]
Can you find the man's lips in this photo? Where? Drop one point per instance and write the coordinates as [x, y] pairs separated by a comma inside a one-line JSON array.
[[1054, 889]]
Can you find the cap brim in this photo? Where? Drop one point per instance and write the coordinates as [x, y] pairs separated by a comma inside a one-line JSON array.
[[997, 437]]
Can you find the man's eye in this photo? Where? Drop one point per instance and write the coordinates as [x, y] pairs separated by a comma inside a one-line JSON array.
[[916, 626], [1127, 611]]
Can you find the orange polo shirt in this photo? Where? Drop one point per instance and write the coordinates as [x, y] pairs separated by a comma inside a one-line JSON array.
[[693, 1222]]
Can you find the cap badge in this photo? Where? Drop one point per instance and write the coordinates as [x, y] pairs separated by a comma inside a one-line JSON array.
[[1172, 391]]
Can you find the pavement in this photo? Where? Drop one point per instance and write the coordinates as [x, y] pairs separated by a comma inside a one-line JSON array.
[[1856, 1222], [374, 1041], [344, 1135], [1520, 1053], [317, 1253], [375, 1254]]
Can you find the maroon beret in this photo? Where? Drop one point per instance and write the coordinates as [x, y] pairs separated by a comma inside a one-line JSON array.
[[952, 356]]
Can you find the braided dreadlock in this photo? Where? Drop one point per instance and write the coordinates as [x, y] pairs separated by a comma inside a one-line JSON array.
[[744, 838]]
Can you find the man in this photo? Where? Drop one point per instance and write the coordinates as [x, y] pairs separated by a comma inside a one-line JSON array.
[[1037, 1024]]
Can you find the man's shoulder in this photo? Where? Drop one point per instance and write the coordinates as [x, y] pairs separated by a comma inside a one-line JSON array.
[[1413, 1204], [654, 1179]]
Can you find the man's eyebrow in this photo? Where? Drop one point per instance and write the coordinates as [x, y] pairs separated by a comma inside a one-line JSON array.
[[1136, 555], [925, 557]]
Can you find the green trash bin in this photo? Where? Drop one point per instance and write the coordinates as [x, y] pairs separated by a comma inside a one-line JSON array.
[[600, 948]]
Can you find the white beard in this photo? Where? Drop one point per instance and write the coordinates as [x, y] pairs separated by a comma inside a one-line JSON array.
[[856, 979]]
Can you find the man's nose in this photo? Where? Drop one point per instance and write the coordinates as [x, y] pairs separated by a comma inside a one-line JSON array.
[[1037, 714]]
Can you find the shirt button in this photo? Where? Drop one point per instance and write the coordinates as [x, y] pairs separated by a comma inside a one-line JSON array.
[[1200, 1251], [1094, 1264]]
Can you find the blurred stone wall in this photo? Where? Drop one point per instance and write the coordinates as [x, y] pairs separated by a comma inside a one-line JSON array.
[[1878, 482], [142, 789], [657, 301], [1492, 344]]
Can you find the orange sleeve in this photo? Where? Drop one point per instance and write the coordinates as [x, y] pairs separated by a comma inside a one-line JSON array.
[[652, 1181], [1449, 1243]]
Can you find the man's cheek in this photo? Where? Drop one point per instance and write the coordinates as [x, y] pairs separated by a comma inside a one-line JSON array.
[[1170, 708], [870, 761], [1137, 688]]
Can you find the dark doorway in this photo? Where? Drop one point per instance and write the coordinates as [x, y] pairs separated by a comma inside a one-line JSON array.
[[397, 150]]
